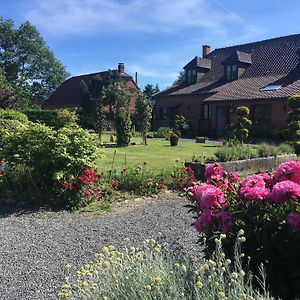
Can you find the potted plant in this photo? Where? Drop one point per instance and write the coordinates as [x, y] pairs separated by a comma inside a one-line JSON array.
[[201, 139], [174, 139]]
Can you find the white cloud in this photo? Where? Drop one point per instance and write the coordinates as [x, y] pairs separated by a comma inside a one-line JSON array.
[[86, 17]]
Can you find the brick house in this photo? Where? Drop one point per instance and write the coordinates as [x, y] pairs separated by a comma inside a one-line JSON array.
[[67, 95], [260, 75]]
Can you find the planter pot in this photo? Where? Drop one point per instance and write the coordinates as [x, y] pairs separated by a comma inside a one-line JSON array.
[[174, 140], [255, 165], [201, 140]]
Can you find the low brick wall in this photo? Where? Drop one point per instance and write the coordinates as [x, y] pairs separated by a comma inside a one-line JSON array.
[[255, 165]]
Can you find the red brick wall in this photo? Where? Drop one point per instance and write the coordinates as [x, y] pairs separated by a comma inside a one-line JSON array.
[[189, 107]]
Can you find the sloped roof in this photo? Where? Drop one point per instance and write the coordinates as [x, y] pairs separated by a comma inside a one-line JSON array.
[[68, 93], [272, 61]]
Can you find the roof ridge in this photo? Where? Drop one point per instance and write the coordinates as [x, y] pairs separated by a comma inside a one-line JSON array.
[[257, 42]]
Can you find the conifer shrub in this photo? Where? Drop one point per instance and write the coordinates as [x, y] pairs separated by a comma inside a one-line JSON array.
[[240, 129], [293, 130]]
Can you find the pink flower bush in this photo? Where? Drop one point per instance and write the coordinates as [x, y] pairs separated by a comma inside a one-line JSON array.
[[293, 219], [205, 220], [253, 181], [225, 219], [255, 193], [288, 171], [222, 200], [284, 191]]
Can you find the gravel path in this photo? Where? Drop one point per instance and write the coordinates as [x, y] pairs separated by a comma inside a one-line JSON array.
[[35, 247]]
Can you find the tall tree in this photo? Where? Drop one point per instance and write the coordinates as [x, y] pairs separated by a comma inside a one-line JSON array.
[[28, 64], [150, 90], [143, 115], [7, 92]]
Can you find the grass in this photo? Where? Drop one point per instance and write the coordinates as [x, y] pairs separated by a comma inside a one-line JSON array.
[[158, 155]]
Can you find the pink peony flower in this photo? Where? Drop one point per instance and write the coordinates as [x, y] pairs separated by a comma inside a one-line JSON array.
[[198, 190], [253, 181], [284, 191], [225, 219], [288, 171], [214, 171], [234, 177], [212, 198], [255, 193], [293, 219], [267, 179], [205, 220]]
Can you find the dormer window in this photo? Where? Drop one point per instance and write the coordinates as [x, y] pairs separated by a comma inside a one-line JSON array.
[[231, 72], [191, 76]]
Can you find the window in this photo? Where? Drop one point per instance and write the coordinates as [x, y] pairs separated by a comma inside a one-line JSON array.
[[164, 113], [205, 112], [191, 76], [262, 115], [231, 72], [271, 87]]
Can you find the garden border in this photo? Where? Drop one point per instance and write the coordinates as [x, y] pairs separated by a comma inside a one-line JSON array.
[[254, 165]]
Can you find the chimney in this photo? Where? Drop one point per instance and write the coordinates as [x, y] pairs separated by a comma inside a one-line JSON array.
[[205, 50], [121, 68]]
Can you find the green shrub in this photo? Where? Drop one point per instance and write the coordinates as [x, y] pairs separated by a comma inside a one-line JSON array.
[[293, 130], [162, 132], [46, 117], [156, 271], [240, 129], [9, 114], [265, 150], [139, 181], [66, 117], [238, 152], [48, 156], [285, 148], [56, 118], [7, 126]]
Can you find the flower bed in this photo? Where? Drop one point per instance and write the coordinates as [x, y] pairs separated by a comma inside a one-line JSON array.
[[262, 164], [267, 207]]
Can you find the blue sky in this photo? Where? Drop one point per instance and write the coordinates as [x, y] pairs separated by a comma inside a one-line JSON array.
[[155, 38]]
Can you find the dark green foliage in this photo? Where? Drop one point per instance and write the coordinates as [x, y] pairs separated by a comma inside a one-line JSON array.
[[47, 117], [293, 130], [180, 124], [150, 90], [9, 114], [163, 132], [29, 66], [143, 115], [240, 129], [98, 93]]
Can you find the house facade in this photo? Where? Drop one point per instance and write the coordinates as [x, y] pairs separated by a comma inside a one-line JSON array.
[[260, 75], [68, 94]]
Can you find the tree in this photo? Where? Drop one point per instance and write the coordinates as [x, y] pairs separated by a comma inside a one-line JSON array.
[[240, 128], [180, 78], [150, 90], [122, 115], [28, 64], [7, 92], [293, 130], [180, 123], [143, 115]]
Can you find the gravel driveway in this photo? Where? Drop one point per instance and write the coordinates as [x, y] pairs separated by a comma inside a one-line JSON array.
[[35, 247]]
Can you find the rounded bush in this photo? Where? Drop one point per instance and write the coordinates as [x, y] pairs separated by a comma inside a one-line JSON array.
[[243, 111], [9, 114], [8, 126], [294, 102]]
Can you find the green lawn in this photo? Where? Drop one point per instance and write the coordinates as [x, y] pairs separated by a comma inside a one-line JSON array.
[[158, 155]]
